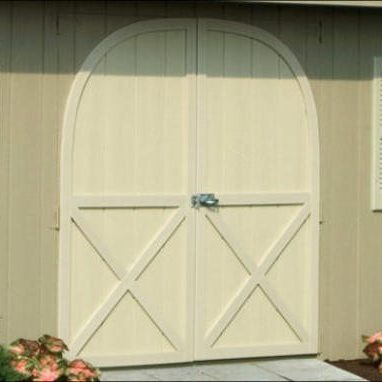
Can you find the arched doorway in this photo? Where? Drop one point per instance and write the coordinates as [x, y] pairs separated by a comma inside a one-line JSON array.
[[190, 191]]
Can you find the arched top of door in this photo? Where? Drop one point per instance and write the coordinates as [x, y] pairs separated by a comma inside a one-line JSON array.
[[191, 26]]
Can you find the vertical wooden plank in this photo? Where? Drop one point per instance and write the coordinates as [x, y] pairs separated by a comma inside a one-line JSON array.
[[150, 85], [25, 171], [238, 12], [209, 9], [49, 197], [319, 68], [293, 30], [66, 68], [267, 17], [5, 29], [120, 14], [121, 7], [66, 55], [370, 223], [341, 193], [90, 7], [149, 9], [78, 34], [90, 29], [182, 8]]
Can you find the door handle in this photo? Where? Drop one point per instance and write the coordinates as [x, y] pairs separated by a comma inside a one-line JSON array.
[[204, 200]]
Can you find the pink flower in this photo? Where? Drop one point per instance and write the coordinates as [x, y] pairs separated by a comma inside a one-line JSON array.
[[25, 347], [377, 337], [79, 370], [22, 366], [373, 351], [49, 360], [43, 361], [17, 349], [46, 374], [79, 364]]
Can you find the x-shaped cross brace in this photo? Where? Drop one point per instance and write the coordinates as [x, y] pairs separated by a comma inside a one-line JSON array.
[[258, 276], [128, 280]]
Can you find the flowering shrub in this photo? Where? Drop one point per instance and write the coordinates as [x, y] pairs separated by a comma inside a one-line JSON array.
[[42, 360], [7, 373], [373, 349]]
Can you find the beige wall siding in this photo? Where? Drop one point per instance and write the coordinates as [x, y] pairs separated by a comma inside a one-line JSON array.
[[369, 224], [43, 44], [25, 169], [5, 19], [339, 188]]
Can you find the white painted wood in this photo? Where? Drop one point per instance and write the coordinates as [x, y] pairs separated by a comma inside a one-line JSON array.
[[101, 248], [126, 284], [155, 315], [135, 360], [240, 300], [285, 237], [200, 170], [190, 128], [283, 309], [376, 197], [100, 174], [128, 201], [263, 199], [250, 352], [258, 278], [242, 71], [231, 241]]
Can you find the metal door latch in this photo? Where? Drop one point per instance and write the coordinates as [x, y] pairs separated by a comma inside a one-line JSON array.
[[204, 200]]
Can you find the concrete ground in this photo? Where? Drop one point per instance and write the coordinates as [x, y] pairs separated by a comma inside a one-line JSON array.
[[303, 369]]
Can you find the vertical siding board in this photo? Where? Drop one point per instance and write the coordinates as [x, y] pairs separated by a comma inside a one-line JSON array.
[[90, 29], [149, 9], [120, 15], [370, 223], [25, 171], [121, 8], [182, 8], [209, 9], [90, 7], [65, 55], [5, 33], [341, 195], [319, 67], [66, 69], [49, 174], [267, 17], [293, 30], [238, 12]]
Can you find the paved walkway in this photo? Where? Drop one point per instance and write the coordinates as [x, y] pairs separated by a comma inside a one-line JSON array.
[[304, 369]]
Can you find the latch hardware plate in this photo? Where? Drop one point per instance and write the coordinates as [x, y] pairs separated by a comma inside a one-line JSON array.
[[204, 200]]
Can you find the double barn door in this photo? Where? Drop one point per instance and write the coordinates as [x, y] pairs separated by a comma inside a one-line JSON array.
[[152, 269]]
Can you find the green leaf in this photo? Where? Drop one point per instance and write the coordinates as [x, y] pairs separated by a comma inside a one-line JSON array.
[[7, 374], [365, 338]]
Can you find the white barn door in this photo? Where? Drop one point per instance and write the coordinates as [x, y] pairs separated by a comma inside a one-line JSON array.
[[161, 112], [128, 175], [257, 149]]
